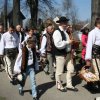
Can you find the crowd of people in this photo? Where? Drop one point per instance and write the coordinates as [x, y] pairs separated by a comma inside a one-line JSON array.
[[20, 53]]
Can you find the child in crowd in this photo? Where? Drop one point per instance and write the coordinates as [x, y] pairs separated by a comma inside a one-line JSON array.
[[26, 63]]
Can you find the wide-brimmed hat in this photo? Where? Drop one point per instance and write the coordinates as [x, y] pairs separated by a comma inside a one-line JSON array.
[[62, 19]]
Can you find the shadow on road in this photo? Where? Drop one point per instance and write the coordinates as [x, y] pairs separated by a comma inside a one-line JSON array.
[[44, 87], [28, 91], [92, 90], [76, 80], [2, 70]]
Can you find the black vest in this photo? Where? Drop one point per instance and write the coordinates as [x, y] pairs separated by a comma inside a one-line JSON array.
[[96, 51], [60, 52], [0, 36], [22, 34]]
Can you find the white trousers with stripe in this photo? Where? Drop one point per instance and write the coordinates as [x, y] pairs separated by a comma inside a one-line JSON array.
[[9, 66]]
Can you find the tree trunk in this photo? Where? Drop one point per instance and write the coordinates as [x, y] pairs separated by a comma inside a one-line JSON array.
[[5, 15], [33, 4], [16, 12], [95, 7], [36, 11]]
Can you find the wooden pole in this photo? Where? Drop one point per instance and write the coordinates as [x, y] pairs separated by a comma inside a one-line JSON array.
[[95, 7], [16, 12], [5, 15]]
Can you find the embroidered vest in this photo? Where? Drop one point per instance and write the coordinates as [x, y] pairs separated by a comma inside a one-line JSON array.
[[49, 44]]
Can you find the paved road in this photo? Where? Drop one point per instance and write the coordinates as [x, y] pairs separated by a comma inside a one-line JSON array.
[[46, 88]]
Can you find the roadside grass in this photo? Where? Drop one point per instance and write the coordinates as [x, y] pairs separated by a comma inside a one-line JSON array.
[[2, 98]]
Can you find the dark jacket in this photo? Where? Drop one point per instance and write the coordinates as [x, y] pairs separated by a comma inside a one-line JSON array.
[[22, 35], [25, 55]]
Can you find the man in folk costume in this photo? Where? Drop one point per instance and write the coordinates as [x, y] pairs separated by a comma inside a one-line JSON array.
[[1, 33], [75, 44], [9, 49], [26, 64], [61, 43], [70, 59], [92, 56], [46, 50], [20, 34]]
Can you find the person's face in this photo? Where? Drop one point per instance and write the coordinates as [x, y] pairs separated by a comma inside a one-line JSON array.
[[64, 25], [98, 25], [86, 31], [35, 31], [1, 28], [11, 30], [31, 45], [18, 28], [22, 29], [70, 28], [50, 30], [31, 32]]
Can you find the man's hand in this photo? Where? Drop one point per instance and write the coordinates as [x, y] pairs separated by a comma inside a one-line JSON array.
[[43, 55], [71, 41]]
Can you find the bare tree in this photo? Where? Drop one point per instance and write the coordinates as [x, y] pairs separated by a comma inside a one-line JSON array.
[[39, 5], [70, 11], [95, 7], [46, 8], [74, 17], [1, 6], [16, 12], [33, 5], [5, 15], [67, 7]]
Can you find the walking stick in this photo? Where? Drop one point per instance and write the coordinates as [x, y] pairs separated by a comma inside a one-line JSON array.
[[97, 67]]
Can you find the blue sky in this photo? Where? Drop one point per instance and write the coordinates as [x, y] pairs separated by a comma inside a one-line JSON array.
[[84, 8]]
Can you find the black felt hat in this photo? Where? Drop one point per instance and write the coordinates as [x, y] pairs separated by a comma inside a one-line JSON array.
[[62, 19]]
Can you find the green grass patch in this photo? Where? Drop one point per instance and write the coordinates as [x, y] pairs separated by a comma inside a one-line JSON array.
[[2, 98]]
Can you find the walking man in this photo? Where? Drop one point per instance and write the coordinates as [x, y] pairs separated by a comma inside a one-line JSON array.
[[62, 46], [9, 49], [1, 58], [47, 50], [92, 56]]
